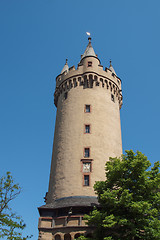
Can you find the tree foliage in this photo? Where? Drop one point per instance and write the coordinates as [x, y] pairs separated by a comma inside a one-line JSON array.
[[11, 225], [129, 200]]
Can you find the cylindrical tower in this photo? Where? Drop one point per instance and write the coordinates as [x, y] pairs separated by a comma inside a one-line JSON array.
[[87, 133]]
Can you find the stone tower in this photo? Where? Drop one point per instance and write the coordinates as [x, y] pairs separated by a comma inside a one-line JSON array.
[[87, 132]]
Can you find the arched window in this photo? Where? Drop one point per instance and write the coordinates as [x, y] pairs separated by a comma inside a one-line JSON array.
[[57, 237], [80, 82], [86, 85], [70, 84], [77, 235], [90, 77], [95, 78], [85, 77], [75, 82], [67, 236], [91, 81]]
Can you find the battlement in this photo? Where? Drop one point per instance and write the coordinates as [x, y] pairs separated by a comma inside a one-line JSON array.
[[89, 79], [72, 71]]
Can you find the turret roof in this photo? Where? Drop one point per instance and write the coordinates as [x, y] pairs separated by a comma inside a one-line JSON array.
[[89, 50], [111, 68], [74, 201], [65, 68]]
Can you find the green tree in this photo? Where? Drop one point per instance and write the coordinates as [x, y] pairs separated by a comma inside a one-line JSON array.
[[129, 200], [11, 225]]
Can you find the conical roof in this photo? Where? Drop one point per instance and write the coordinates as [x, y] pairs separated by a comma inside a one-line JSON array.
[[89, 50], [65, 68], [111, 68]]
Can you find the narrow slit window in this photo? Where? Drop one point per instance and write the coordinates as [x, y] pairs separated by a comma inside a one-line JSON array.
[[86, 180], [87, 128], [86, 152]]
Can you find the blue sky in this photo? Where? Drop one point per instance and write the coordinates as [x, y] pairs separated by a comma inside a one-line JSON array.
[[36, 36]]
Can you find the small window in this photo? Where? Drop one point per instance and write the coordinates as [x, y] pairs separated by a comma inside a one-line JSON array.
[[87, 108], [67, 236], [77, 235], [89, 64], [65, 95], [86, 166], [86, 180], [57, 237], [86, 152], [112, 98], [87, 128]]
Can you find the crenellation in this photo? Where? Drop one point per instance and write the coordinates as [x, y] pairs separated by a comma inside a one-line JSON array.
[[72, 68], [107, 73], [88, 80]]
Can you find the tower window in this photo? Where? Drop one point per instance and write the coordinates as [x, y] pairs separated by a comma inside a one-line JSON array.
[[86, 180], [87, 128], [89, 64], [86, 152], [112, 98], [87, 108]]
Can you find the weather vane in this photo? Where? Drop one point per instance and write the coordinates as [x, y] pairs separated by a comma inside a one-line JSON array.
[[88, 33]]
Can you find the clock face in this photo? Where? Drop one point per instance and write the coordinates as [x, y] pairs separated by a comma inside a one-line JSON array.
[[86, 167]]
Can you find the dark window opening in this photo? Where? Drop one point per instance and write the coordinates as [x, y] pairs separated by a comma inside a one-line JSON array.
[[57, 237], [89, 64], [86, 180], [67, 236], [77, 235], [87, 128], [86, 152], [87, 108]]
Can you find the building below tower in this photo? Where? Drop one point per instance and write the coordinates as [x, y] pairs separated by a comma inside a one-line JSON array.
[[87, 133]]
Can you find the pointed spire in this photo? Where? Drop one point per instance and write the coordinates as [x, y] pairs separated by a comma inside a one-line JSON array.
[[89, 50], [89, 39], [65, 68], [111, 68]]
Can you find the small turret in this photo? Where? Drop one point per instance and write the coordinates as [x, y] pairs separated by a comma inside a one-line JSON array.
[[89, 52], [111, 68], [65, 68]]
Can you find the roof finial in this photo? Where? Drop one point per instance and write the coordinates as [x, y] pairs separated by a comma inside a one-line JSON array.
[[66, 60], [110, 62]]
